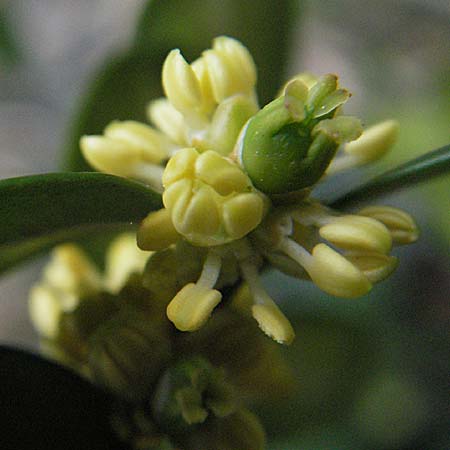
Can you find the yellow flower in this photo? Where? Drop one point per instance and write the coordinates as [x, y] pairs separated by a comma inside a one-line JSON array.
[[210, 199]]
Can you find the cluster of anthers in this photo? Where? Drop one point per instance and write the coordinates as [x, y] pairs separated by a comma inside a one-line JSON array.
[[238, 181]]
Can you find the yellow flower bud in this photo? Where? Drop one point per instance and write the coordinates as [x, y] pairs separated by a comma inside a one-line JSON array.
[[180, 83], [352, 232], [374, 142], [210, 199], [400, 224], [273, 322], [156, 231], [123, 259], [375, 266], [192, 306], [45, 310], [168, 120]]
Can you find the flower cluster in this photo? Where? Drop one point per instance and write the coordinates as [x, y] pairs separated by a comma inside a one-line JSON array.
[[172, 389], [238, 181]]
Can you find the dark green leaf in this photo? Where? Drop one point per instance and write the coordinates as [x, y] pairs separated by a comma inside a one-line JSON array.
[[264, 26], [42, 210], [44, 405], [421, 169], [120, 91]]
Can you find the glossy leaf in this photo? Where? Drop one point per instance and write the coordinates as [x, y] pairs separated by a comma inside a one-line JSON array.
[[424, 168], [42, 210], [44, 405]]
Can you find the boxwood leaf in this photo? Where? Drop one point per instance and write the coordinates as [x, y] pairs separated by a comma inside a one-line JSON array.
[[39, 211], [47, 406], [423, 168]]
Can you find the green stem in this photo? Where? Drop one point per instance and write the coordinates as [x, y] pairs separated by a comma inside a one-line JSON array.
[[423, 168]]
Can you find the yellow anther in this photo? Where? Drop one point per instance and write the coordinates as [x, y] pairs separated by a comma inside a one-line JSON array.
[[45, 310], [231, 68], [354, 232], [152, 144], [122, 259], [329, 270], [221, 173], [273, 322], [200, 192], [241, 214], [335, 274], [128, 149], [110, 156], [375, 266], [180, 83], [400, 224], [167, 119], [181, 165], [156, 231], [201, 72], [201, 215], [192, 306], [71, 272], [374, 142]]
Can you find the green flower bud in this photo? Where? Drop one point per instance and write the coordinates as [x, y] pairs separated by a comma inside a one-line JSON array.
[[127, 354], [288, 145], [189, 393]]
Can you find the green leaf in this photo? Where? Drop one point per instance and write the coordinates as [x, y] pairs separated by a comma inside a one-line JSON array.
[[40, 211], [424, 168], [47, 406]]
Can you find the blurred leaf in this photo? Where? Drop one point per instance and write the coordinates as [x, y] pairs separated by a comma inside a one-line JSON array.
[[9, 52], [122, 88], [421, 169], [264, 26], [47, 406], [41, 210], [120, 91]]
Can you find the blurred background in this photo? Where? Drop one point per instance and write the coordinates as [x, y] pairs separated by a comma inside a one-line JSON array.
[[372, 373]]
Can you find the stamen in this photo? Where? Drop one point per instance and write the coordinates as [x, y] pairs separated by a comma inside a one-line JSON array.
[[211, 271], [264, 310]]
